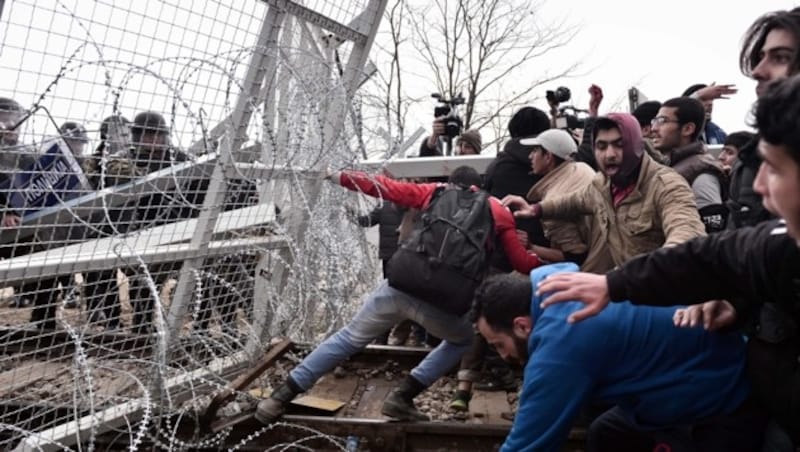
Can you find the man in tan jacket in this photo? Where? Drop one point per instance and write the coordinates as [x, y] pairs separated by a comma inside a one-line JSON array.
[[635, 204], [552, 159]]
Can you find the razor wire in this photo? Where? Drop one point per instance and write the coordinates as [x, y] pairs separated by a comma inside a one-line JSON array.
[[99, 209]]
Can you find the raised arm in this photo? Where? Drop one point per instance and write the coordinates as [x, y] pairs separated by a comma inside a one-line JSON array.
[[405, 194]]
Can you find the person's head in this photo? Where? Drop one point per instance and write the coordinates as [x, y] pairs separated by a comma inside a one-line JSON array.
[[469, 143], [465, 177], [679, 122], [550, 149], [150, 134], [115, 124], [730, 149], [618, 147], [75, 136], [527, 122], [10, 114], [645, 113], [708, 105], [777, 118], [502, 312], [770, 48]]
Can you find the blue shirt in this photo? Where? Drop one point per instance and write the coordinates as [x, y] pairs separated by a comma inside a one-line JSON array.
[[630, 356]]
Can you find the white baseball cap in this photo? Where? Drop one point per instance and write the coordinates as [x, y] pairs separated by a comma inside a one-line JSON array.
[[555, 141]]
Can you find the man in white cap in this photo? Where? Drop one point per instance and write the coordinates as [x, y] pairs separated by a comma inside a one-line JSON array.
[[552, 159]]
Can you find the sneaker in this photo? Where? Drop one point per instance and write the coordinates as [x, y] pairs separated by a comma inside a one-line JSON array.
[[397, 407], [269, 410], [460, 401]]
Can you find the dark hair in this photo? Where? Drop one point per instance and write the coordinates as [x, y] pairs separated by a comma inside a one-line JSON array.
[[693, 89], [739, 139], [603, 123], [502, 298], [777, 115], [465, 176], [755, 36], [688, 110], [556, 159], [528, 121], [646, 111]]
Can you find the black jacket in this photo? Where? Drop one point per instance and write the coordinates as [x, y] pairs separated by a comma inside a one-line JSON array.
[[388, 216], [744, 204], [510, 174], [758, 270]]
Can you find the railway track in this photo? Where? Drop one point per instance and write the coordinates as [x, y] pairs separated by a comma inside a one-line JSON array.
[[344, 412]]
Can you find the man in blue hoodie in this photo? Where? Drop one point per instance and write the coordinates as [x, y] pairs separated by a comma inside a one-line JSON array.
[[683, 389]]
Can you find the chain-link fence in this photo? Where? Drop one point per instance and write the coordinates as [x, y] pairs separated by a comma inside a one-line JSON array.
[[163, 215]]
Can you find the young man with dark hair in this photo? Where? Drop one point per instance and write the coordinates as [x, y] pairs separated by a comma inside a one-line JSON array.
[[387, 305], [645, 113], [675, 129], [681, 389], [757, 269], [729, 155], [710, 133], [553, 157], [769, 52]]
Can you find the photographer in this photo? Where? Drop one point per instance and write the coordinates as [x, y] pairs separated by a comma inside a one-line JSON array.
[[567, 118], [447, 126]]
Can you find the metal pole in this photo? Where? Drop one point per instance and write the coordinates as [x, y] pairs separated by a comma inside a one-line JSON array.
[[261, 65]]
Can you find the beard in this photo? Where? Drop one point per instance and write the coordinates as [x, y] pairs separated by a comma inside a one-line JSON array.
[[521, 348]]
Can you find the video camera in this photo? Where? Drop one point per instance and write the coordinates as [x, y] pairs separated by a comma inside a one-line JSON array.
[[569, 117], [449, 109]]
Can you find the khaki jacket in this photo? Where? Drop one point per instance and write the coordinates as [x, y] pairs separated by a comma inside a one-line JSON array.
[[569, 177], [659, 212]]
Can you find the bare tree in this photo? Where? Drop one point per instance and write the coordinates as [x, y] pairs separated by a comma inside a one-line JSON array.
[[387, 95], [488, 50]]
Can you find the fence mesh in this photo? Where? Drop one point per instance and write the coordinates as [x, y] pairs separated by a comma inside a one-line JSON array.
[[119, 148]]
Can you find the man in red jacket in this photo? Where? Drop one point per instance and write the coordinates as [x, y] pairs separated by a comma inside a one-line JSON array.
[[386, 306]]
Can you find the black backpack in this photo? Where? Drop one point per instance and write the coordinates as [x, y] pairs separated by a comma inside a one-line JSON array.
[[445, 258]]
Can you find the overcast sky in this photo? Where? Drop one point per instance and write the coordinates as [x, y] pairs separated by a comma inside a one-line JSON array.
[[672, 45]]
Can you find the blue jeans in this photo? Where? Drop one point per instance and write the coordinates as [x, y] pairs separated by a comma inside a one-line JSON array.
[[383, 308]]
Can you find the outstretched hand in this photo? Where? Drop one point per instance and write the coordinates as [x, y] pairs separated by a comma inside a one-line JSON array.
[[714, 91], [520, 207], [588, 288], [713, 315]]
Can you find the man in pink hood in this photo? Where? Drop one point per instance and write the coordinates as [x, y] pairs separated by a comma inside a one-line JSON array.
[[636, 205]]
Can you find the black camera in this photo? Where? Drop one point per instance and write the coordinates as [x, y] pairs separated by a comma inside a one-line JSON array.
[[560, 95], [448, 109]]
